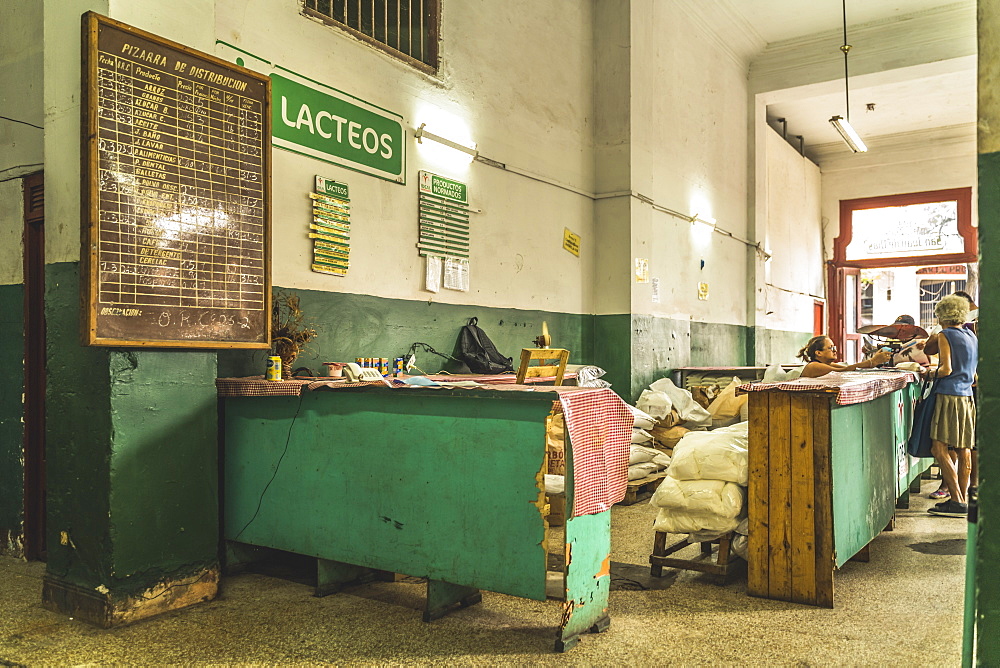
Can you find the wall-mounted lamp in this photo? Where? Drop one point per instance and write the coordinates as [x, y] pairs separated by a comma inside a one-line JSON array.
[[706, 220], [421, 134]]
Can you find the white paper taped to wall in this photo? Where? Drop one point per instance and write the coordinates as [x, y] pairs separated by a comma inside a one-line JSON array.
[[433, 273], [456, 274], [656, 290]]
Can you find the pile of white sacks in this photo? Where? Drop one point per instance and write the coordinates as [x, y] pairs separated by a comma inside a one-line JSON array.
[[644, 459], [704, 491]]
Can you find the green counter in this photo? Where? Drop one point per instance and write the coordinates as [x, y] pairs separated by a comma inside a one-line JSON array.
[[441, 484]]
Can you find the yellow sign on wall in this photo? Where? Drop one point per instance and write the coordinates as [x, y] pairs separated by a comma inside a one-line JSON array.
[[571, 242]]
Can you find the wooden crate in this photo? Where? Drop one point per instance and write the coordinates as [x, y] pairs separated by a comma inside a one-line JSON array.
[[642, 489]]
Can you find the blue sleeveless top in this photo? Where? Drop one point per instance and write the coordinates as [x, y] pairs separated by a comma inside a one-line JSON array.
[[964, 358]]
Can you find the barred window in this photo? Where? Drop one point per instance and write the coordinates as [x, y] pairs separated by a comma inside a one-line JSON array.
[[407, 29]]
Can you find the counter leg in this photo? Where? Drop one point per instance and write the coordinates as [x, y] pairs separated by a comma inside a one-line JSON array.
[[442, 595], [333, 576]]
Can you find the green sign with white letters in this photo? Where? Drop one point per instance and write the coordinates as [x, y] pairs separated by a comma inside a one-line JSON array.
[[324, 123]]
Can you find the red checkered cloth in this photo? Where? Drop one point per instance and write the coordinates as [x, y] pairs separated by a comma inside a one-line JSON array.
[[600, 430], [499, 379], [851, 387], [256, 386]]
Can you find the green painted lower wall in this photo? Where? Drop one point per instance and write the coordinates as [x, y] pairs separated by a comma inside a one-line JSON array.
[[776, 346], [164, 471], [351, 326], [714, 344], [132, 456], [11, 413], [988, 546], [78, 437]]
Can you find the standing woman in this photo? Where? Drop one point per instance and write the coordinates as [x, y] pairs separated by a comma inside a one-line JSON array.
[[954, 420], [820, 356]]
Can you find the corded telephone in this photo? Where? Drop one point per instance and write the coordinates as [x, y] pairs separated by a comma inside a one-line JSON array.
[[356, 373]]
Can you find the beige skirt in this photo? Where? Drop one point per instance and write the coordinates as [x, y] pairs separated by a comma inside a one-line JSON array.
[[954, 421]]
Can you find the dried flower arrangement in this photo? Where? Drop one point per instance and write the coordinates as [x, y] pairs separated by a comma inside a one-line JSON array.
[[290, 330]]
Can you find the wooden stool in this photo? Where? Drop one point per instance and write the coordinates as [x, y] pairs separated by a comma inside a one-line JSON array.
[[659, 558], [542, 354]]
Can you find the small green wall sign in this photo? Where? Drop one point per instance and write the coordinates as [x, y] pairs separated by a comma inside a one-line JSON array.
[[432, 184], [324, 124], [326, 186]]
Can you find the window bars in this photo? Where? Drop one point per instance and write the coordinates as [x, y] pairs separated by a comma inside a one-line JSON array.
[[407, 29]]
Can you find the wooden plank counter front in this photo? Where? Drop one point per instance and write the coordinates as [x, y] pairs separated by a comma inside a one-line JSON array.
[[824, 480]]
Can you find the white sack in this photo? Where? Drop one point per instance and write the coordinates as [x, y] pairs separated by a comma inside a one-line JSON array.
[[642, 419], [589, 376], [716, 497], [639, 454], [689, 409], [775, 374], [554, 484], [655, 404], [678, 521], [637, 471], [794, 373], [641, 437], [661, 459], [712, 455]]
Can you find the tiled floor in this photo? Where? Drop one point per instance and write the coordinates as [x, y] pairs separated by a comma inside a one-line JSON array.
[[881, 617]]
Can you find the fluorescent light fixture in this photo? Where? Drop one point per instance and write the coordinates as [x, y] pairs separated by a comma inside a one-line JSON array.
[[421, 134], [849, 134]]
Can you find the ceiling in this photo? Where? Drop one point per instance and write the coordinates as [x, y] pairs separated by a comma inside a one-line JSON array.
[[779, 20], [905, 102]]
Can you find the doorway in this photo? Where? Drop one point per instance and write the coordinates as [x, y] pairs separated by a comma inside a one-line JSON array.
[[897, 255]]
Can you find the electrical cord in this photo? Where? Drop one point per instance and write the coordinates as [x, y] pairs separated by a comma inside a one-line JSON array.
[[288, 439], [413, 349]]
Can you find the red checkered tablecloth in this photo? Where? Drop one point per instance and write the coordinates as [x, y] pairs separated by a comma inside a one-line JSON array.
[[851, 387], [598, 421], [600, 430], [256, 386]]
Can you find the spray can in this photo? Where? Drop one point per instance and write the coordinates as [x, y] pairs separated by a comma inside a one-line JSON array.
[[383, 366], [397, 366], [273, 371]]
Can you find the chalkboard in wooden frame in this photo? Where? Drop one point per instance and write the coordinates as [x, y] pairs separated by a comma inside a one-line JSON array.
[[176, 194]]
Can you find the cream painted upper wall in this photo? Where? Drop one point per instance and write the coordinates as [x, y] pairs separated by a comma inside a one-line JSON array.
[[793, 277], [495, 88], [20, 144], [689, 154], [11, 232]]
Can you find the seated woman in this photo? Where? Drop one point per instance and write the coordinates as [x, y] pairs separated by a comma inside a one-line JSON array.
[[820, 356]]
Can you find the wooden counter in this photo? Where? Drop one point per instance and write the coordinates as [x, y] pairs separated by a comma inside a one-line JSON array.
[[824, 481]]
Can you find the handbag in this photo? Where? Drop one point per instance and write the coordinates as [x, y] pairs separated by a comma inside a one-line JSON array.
[[919, 443]]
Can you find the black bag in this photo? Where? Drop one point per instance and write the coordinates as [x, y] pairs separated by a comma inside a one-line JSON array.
[[919, 443], [479, 353]]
